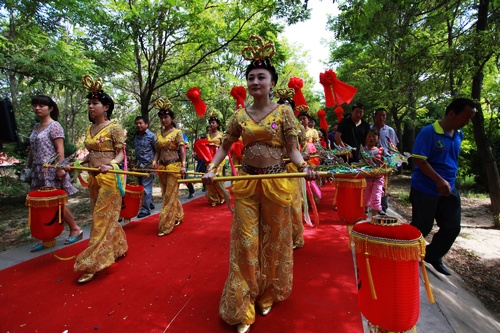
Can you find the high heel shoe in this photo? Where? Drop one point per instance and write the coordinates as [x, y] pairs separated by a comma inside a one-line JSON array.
[[243, 328], [86, 277], [71, 240]]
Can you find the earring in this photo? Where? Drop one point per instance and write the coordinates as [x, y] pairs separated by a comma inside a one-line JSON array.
[[271, 93]]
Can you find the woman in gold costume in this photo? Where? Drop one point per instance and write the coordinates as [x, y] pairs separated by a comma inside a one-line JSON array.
[[104, 141], [261, 259], [215, 192], [169, 145]]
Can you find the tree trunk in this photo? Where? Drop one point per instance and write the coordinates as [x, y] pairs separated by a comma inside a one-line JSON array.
[[482, 142]]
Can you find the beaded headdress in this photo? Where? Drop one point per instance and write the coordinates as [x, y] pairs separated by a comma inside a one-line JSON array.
[[259, 54], [94, 87], [163, 105]]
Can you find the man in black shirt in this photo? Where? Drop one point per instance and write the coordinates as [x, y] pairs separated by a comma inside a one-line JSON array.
[[352, 131]]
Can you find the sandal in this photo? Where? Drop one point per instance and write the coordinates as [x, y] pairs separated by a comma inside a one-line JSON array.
[[74, 239], [37, 247]]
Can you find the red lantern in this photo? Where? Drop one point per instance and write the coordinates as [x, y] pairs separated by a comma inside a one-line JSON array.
[[387, 255], [349, 199], [132, 201], [46, 213]]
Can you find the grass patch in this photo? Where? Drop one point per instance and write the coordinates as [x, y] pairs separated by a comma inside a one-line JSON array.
[[404, 198]]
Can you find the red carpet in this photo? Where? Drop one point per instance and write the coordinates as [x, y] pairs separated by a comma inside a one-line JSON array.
[[174, 283]]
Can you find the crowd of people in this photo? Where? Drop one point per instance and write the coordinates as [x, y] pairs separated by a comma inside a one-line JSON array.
[[265, 210]]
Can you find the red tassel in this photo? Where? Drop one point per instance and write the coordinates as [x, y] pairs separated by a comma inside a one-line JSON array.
[[239, 93], [329, 100], [322, 119], [194, 96], [339, 112], [296, 84]]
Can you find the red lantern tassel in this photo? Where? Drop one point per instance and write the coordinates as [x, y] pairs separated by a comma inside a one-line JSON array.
[[239, 93], [329, 99], [194, 96], [322, 120], [339, 112], [296, 84]]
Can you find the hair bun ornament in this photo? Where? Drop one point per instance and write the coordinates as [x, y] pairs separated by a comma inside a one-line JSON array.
[[239, 93], [162, 104], [194, 95], [257, 51], [93, 86]]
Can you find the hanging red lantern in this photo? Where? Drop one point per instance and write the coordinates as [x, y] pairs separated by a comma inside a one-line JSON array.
[[387, 256], [46, 213], [132, 201]]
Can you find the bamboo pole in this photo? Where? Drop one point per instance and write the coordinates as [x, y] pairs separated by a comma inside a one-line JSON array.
[[72, 167], [248, 177], [341, 175]]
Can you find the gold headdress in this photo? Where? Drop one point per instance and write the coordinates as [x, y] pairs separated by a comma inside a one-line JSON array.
[[94, 87], [259, 54], [256, 50], [213, 115], [163, 105]]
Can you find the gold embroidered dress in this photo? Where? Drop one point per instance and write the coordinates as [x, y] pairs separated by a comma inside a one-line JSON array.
[[297, 196], [171, 210], [107, 238], [215, 192], [260, 260]]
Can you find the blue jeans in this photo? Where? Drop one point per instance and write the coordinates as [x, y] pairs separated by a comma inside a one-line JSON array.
[[147, 182], [446, 211]]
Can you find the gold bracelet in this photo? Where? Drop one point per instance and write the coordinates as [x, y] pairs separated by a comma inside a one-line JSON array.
[[184, 164], [113, 161], [211, 167]]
